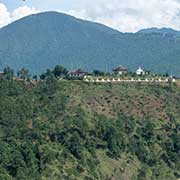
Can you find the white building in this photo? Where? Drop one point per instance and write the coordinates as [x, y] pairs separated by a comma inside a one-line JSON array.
[[78, 73], [140, 71]]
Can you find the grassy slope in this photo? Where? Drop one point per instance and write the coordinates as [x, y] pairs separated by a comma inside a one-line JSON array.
[[141, 101]]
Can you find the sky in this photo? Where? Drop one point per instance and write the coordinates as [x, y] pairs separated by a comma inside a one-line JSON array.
[[123, 15]]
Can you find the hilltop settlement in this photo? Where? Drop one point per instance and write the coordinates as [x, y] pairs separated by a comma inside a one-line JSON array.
[[119, 74]]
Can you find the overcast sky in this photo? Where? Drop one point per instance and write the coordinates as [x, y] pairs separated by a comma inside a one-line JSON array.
[[124, 15]]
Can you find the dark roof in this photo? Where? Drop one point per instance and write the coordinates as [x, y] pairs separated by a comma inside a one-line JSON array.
[[78, 71], [120, 68]]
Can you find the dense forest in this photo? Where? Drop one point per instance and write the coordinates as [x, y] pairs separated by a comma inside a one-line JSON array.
[[72, 130]]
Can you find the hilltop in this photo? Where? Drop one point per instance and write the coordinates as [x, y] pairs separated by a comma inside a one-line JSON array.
[[41, 41], [164, 31], [72, 130]]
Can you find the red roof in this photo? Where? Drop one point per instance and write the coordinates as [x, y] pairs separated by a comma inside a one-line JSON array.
[[79, 71], [120, 69]]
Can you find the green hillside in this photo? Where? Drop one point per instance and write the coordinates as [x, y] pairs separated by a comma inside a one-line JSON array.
[[72, 130], [41, 41]]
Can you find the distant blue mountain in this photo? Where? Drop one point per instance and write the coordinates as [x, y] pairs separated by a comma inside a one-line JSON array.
[[161, 30], [41, 41]]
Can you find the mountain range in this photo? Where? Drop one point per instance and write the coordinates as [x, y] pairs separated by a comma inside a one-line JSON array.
[[43, 40]]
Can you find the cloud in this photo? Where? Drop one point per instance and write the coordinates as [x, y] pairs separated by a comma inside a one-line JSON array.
[[130, 15], [6, 17], [124, 15], [22, 11]]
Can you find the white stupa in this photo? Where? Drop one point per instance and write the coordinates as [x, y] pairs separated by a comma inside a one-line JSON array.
[[140, 71]]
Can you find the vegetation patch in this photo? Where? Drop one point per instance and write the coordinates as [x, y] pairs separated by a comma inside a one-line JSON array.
[[75, 130]]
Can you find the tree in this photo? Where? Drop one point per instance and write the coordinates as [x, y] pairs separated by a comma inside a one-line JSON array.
[[47, 74], [23, 74], [98, 73], [114, 140], [50, 83], [35, 77], [75, 145], [8, 73], [42, 76], [142, 174], [59, 71]]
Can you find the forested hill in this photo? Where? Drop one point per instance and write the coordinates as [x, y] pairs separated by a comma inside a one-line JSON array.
[[41, 41], [164, 31], [71, 130]]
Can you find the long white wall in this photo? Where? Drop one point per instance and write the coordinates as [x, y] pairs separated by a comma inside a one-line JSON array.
[[113, 80]]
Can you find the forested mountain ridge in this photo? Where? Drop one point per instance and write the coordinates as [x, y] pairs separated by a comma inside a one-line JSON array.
[[72, 130], [163, 31], [41, 41]]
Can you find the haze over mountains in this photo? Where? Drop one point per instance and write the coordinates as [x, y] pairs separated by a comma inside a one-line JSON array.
[[41, 41]]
